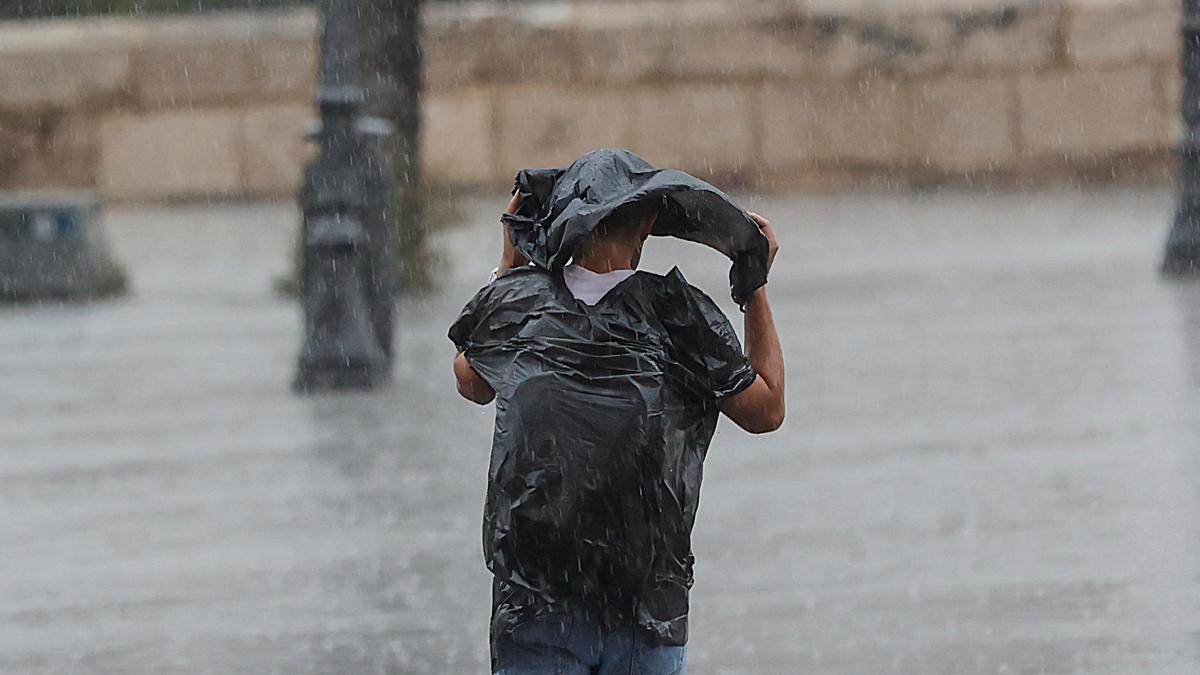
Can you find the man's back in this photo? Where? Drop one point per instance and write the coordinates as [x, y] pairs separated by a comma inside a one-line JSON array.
[[603, 417]]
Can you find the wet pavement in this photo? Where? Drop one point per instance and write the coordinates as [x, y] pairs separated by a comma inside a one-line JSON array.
[[991, 462]]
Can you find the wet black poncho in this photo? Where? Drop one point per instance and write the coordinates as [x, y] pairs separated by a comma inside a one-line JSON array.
[[604, 414]]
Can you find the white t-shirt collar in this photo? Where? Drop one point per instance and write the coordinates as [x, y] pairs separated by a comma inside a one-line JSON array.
[[588, 286]]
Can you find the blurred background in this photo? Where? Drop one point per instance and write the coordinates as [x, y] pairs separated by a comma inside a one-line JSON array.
[[990, 462]]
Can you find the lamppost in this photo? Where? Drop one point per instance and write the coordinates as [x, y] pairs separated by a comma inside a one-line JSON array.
[[1182, 257], [346, 277]]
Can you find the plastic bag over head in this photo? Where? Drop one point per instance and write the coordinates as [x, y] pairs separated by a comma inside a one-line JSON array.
[[559, 208]]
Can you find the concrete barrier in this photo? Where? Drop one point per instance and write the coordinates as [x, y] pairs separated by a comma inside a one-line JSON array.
[[762, 93]]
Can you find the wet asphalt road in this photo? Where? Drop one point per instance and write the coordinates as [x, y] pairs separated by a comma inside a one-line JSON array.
[[991, 462]]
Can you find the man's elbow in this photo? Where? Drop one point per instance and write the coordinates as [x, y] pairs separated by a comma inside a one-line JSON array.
[[776, 419], [759, 420], [770, 421], [469, 384], [476, 393], [757, 410]]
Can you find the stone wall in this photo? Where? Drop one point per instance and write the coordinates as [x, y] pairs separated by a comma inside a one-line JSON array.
[[769, 93], [157, 109]]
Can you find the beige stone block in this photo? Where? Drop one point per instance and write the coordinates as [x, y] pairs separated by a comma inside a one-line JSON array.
[[852, 46], [456, 141], [180, 154], [633, 54], [1024, 36], [624, 14], [892, 8], [741, 51], [867, 38], [185, 71], [50, 149], [551, 126], [1072, 4], [701, 128], [18, 142], [963, 124], [274, 149], [837, 123], [62, 34], [1172, 83], [1091, 114], [724, 52], [456, 54], [199, 60], [521, 52], [284, 68], [38, 78], [296, 25], [666, 51], [1122, 33], [497, 49]]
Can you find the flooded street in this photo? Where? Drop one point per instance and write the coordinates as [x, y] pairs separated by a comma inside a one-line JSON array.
[[991, 462]]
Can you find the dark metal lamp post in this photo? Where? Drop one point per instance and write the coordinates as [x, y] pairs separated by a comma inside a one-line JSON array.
[[1182, 259], [346, 277]]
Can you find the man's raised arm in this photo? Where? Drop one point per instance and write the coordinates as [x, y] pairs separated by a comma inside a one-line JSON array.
[[760, 408]]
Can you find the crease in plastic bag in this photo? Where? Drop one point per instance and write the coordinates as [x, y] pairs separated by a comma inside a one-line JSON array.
[[560, 207]]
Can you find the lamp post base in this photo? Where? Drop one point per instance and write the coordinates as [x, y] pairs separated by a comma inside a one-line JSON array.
[[317, 379], [1181, 261]]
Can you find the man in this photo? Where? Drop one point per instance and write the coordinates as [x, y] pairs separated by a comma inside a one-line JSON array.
[[608, 382]]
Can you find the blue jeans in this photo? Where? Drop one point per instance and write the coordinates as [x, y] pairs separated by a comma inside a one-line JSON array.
[[572, 644]]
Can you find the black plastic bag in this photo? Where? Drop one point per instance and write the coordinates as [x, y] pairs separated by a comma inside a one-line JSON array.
[[560, 207], [604, 414]]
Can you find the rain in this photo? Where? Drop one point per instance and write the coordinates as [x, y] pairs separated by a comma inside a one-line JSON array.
[[234, 236]]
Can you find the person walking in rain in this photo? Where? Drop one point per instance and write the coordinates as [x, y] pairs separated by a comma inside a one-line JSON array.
[[608, 383]]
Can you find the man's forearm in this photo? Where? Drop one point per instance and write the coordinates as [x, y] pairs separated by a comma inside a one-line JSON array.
[[762, 341]]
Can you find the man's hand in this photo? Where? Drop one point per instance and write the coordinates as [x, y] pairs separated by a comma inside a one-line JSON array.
[[510, 257], [764, 226]]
